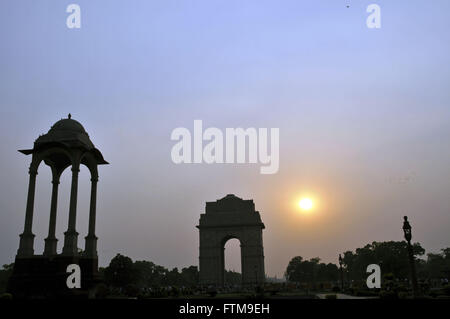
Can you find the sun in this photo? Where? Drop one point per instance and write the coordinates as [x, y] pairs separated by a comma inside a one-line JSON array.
[[305, 203]]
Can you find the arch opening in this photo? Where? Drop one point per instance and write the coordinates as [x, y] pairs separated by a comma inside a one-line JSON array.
[[41, 210], [232, 270]]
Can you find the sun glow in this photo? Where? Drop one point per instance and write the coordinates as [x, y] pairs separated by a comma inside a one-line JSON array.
[[305, 204]]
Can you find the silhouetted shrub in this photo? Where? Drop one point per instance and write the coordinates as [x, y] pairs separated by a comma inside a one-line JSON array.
[[403, 295], [446, 290], [388, 295], [101, 291], [6, 296], [131, 290], [175, 292], [212, 293], [367, 292]]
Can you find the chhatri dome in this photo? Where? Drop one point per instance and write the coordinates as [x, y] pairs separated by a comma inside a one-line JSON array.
[[69, 134], [68, 124], [66, 131]]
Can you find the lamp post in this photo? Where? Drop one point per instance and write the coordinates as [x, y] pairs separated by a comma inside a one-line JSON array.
[[408, 236], [342, 272]]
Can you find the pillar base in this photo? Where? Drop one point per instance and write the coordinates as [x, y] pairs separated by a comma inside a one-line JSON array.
[[70, 243], [41, 277], [50, 246], [26, 245]]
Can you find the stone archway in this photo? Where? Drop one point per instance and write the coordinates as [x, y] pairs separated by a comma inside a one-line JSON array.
[[224, 219]]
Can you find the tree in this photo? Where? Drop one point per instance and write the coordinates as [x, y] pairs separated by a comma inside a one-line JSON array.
[[190, 276], [294, 269], [310, 271], [327, 272], [173, 277], [121, 272], [348, 261], [437, 266]]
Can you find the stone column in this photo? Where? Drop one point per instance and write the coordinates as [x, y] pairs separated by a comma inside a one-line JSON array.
[[91, 239], [210, 257], [51, 241], [253, 259], [222, 268], [27, 238], [71, 236]]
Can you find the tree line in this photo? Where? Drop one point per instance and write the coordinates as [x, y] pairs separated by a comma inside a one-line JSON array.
[[122, 272], [391, 256]]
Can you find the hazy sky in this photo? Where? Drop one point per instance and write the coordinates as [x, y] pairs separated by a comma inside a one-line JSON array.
[[364, 118]]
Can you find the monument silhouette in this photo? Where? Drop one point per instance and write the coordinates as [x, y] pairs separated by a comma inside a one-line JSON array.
[[225, 219], [65, 145]]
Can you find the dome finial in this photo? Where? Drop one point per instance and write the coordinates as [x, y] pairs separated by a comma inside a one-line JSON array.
[[69, 116]]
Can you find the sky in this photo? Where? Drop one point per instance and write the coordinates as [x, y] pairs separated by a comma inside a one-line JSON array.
[[363, 114]]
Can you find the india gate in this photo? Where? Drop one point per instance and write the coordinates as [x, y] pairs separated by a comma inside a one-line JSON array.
[[65, 145], [225, 219]]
